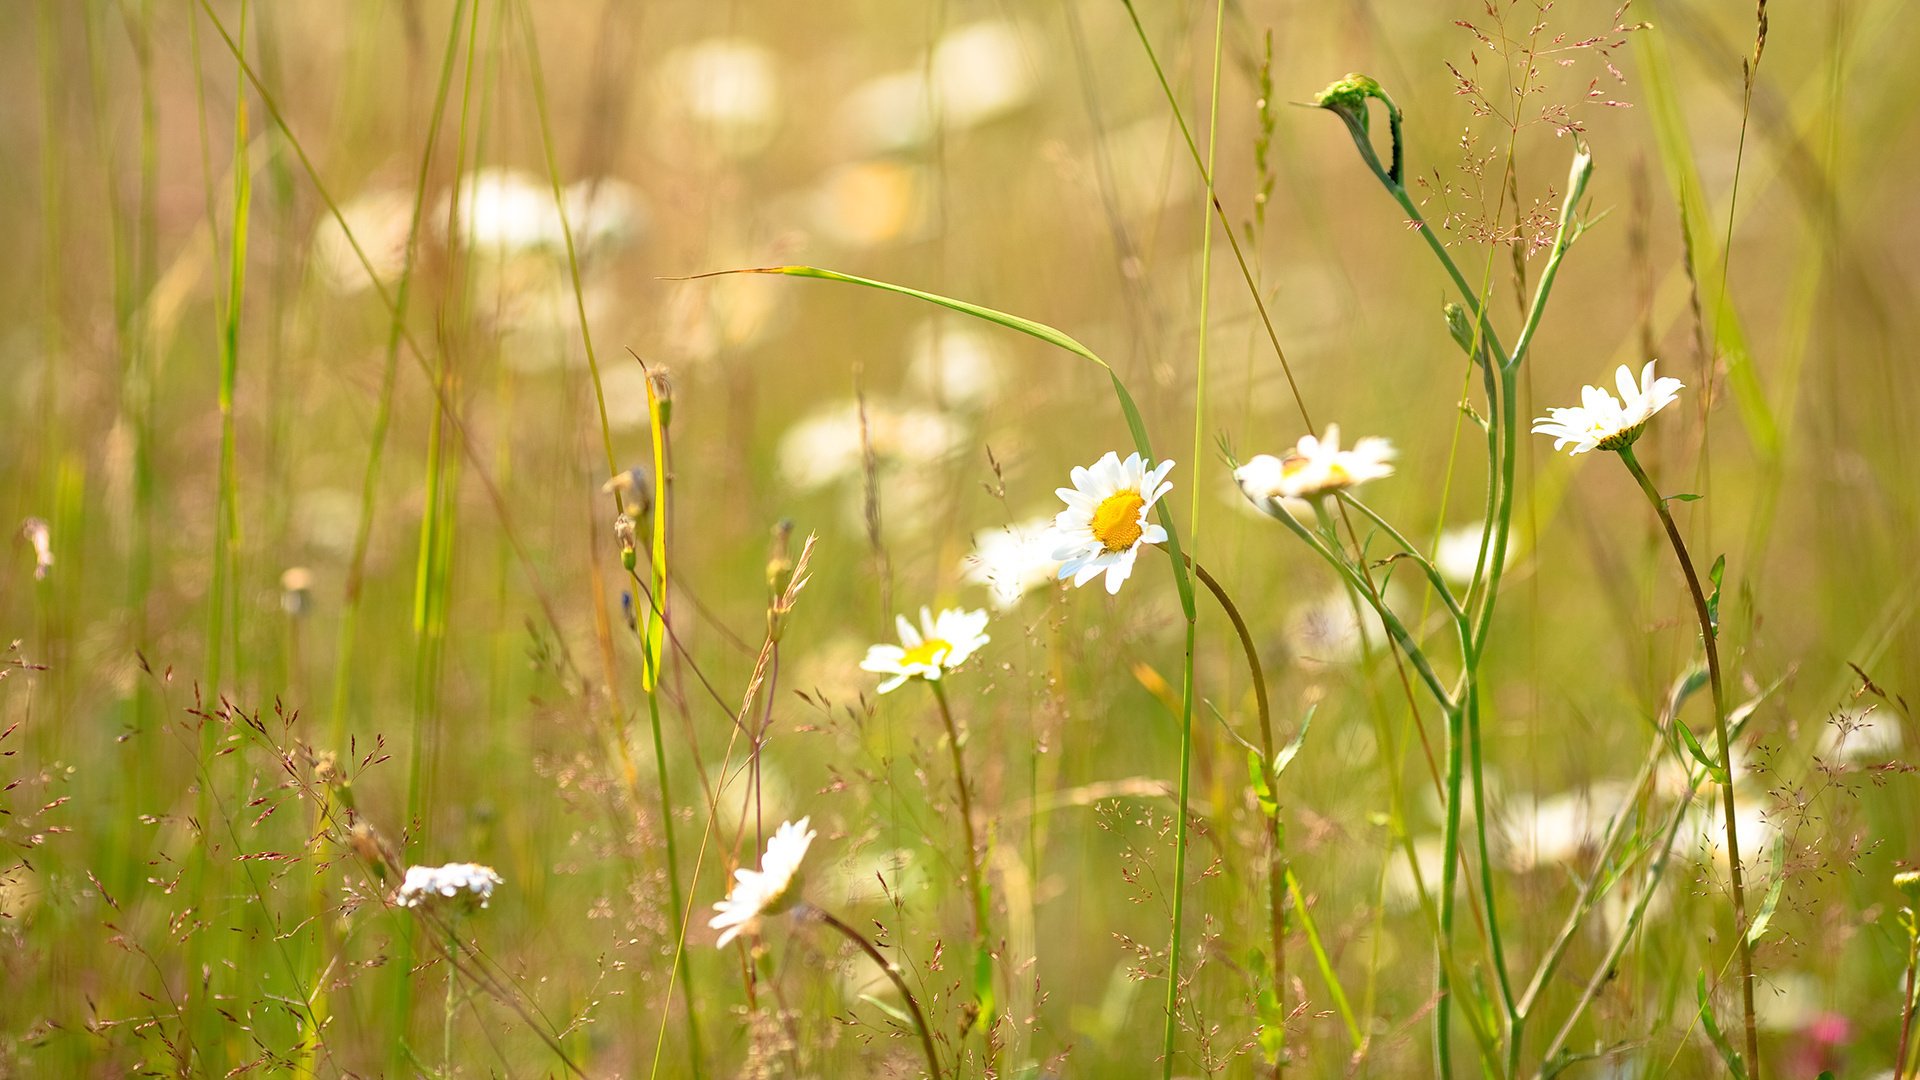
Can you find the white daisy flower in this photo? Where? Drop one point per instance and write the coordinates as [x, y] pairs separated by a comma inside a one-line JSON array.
[[938, 646], [1314, 467], [465, 882], [1105, 521], [1458, 551], [768, 890], [1603, 422], [1012, 560]]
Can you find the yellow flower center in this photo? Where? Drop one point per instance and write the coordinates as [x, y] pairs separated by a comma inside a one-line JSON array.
[[930, 651], [1116, 521]]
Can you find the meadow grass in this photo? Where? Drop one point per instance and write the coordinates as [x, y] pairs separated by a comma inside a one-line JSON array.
[[475, 467]]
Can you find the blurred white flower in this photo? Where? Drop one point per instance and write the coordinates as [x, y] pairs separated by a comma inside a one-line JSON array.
[[937, 646], [1705, 833], [1105, 523], [1459, 549], [981, 72], [1402, 888], [603, 213], [1603, 422], [465, 883], [953, 363], [505, 212], [37, 535], [1328, 631], [768, 890], [379, 221], [1868, 736], [1012, 560], [1557, 830], [728, 88], [501, 212], [826, 446], [976, 74], [1314, 467]]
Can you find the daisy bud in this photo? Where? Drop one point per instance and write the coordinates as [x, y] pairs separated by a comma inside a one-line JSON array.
[[1347, 99], [623, 531]]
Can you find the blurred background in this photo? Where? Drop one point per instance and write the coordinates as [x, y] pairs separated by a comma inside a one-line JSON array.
[[254, 518]]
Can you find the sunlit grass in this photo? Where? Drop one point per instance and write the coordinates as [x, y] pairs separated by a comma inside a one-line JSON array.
[[453, 502]]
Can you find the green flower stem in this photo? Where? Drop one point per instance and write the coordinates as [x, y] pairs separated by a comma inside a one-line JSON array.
[[1395, 628], [893, 974], [1709, 636], [453, 983], [1450, 832], [1277, 871], [1604, 971], [1907, 999], [1599, 881], [1426, 567], [976, 876]]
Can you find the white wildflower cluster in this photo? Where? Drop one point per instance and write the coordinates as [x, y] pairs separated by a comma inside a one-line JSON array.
[[456, 883]]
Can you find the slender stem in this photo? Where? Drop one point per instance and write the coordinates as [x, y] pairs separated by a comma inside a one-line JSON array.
[[1603, 973], [976, 875], [1277, 872], [1709, 635], [893, 974], [1906, 1002], [1426, 567], [1395, 628], [453, 983]]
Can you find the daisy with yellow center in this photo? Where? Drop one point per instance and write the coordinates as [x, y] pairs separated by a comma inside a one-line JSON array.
[[1603, 422], [1105, 522], [1313, 468], [938, 645]]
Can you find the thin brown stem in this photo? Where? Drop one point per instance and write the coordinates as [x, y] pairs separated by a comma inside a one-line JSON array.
[[1906, 1002], [1276, 850], [976, 874], [1709, 636], [900, 984]]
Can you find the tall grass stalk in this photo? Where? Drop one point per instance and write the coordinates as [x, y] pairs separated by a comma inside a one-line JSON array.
[[982, 970], [656, 620], [1706, 610], [204, 954], [1180, 841]]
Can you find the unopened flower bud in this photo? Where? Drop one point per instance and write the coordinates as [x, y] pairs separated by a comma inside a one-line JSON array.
[[1347, 99], [660, 385], [623, 532], [1908, 882]]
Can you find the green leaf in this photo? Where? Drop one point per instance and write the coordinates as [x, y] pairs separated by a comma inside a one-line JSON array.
[[1292, 750], [1767, 906], [1685, 687], [1684, 497], [983, 981], [1273, 1025], [1712, 1028], [1258, 775], [1700, 754], [897, 1013], [1715, 575]]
